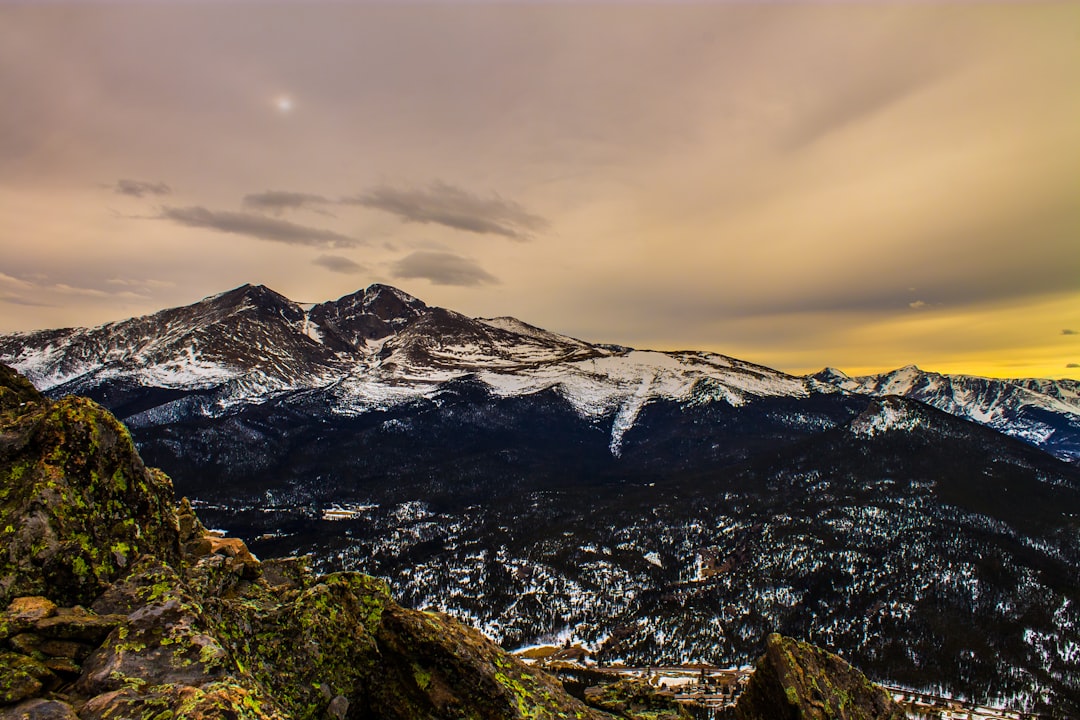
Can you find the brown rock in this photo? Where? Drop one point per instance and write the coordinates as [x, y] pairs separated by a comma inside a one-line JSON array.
[[287, 573], [39, 709], [338, 707], [30, 609], [188, 522], [63, 667], [25, 643], [22, 677], [797, 681], [77, 624], [631, 698], [65, 649]]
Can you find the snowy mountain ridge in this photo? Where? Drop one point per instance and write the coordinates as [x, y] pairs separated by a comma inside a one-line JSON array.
[[1044, 413], [373, 349], [381, 347]]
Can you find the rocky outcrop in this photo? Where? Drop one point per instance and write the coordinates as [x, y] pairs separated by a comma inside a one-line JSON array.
[[631, 698], [797, 681], [77, 505]]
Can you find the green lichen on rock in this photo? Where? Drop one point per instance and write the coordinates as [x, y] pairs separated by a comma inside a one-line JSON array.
[[77, 505], [15, 392], [631, 698], [794, 680], [22, 677]]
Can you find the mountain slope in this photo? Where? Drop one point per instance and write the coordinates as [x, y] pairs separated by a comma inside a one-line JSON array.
[[372, 350], [1045, 413], [208, 632], [660, 507]]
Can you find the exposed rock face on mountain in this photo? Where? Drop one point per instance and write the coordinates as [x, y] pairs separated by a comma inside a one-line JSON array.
[[1044, 413], [185, 624], [797, 681]]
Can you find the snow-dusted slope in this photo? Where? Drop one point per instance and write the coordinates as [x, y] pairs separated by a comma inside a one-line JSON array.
[[1045, 413], [249, 336], [370, 350]]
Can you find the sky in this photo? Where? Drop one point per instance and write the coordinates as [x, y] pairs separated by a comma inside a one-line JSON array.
[[861, 185]]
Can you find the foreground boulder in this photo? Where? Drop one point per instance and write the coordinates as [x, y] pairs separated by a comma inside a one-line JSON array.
[[797, 681], [77, 505]]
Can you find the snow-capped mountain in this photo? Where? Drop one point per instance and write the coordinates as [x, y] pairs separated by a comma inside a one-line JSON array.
[[658, 506], [1044, 413], [371, 350]]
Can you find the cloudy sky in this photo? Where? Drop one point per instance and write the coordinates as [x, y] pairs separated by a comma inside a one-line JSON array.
[[799, 184]]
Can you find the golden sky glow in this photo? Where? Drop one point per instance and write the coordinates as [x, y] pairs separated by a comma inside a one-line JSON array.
[[800, 184]]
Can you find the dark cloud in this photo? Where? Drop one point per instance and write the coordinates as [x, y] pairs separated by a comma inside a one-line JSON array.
[[453, 207], [140, 188], [1070, 332], [276, 201], [1073, 365], [339, 264], [255, 226], [443, 268]]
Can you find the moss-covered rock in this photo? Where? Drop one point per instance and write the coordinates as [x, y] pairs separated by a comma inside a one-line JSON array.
[[77, 505], [22, 677], [631, 698], [15, 392], [39, 709], [797, 681]]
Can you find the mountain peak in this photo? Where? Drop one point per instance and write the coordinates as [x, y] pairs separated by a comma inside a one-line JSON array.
[[910, 369], [368, 315], [258, 295], [830, 374]]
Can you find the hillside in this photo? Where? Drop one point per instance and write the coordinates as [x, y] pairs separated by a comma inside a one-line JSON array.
[[120, 605], [137, 611]]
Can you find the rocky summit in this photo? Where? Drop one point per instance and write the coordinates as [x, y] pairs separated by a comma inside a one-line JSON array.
[[115, 602]]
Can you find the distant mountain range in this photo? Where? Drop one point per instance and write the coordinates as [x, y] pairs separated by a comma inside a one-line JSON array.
[[1044, 413], [659, 506], [380, 347]]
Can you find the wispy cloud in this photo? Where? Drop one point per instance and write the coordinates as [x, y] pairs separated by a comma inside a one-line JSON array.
[[29, 291], [1073, 365], [259, 227], [450, 206], [18, 300], [277, 201], [443, 268], [140, 188], [144, 283], [16, 282], [339, 264], [1070, 332]]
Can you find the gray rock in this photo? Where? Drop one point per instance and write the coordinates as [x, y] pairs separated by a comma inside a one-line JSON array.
[[338, 707]]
